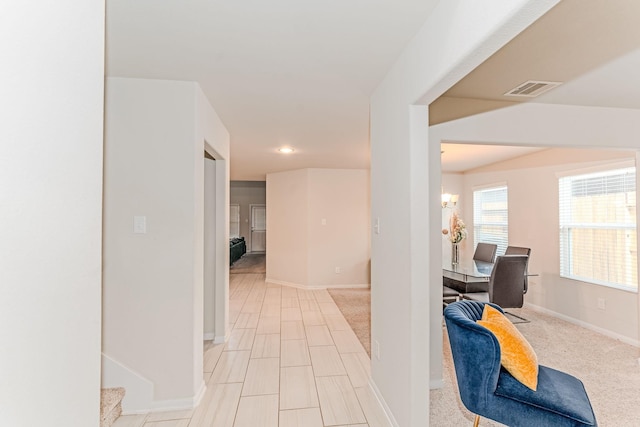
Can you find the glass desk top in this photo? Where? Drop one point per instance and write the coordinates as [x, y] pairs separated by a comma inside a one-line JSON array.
[[469, 271]]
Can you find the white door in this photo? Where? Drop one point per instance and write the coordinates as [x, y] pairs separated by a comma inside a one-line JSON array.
[[258, 228]]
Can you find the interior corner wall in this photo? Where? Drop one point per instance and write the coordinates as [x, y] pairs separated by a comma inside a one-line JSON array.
[[245, 194], [287, 237], [153, 281], [338, 227], [51, 212], [317, 221], [457, 36]]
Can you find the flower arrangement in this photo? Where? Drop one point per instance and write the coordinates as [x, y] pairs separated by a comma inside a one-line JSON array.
[[457, 229]]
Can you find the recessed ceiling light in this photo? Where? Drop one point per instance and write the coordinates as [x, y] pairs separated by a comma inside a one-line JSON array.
[[285, 150]]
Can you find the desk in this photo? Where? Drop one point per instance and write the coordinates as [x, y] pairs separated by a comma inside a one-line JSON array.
[[467, 277]]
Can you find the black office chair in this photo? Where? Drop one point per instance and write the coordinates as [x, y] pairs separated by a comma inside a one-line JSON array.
[[485, 252], [518, 250], [506, 283]]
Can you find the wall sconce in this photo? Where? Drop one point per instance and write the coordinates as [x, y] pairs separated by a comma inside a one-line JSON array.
[[449, 200]]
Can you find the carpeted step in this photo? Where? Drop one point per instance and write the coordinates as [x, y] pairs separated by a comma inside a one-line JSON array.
[[110, 405]]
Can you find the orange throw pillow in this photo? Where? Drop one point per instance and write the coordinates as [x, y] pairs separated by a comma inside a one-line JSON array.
[[516, 354]]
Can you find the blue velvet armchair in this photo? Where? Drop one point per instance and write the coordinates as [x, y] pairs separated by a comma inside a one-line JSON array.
[[488, 390]]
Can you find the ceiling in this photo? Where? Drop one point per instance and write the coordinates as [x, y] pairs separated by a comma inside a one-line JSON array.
[[280, 72], [300, 73]]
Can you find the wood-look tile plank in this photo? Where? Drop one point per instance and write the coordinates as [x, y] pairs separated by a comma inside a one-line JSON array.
[[297, 388], [322, 295], [309, 417], [266, 345], [336, 322], [130, 421], [256, 411], [309, 305], [170, 423], [326, 361], [218, 406], [347, 341], [231, 367], [338, 401], [290, 302], [240, 339], [318, 335], [294, 353], [270, 310], [211, 357], [289, 314], [252, 307], [374, 413], [247, 321], [170, 415], [263, 377], [306, 294], [329, 308], [358, 368], [312, 318], [289, 292], [268, 325], [292, 330]]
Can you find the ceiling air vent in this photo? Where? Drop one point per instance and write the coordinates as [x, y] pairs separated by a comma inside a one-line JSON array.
[[532, 88]]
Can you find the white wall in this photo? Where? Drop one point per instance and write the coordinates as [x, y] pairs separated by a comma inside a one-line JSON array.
[[245, 194], [50, 212], [153, 282], [287, 238], [338, 227], [405, 182], [317, 221]]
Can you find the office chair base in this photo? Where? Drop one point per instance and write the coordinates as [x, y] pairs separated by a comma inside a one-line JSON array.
[[522, 319]]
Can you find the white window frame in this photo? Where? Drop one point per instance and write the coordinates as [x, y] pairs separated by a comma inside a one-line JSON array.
[[567, 225], [479, 223]]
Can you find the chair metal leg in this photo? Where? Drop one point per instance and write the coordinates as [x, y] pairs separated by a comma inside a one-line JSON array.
[[476, 422]]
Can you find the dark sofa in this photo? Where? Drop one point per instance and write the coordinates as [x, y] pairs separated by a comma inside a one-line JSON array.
[[237, 248]]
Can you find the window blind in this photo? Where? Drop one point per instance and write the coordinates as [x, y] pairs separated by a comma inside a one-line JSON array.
[[491, 217], [598, 228]]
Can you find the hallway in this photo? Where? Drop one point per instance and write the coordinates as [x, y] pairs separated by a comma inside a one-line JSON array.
[[291, 361]]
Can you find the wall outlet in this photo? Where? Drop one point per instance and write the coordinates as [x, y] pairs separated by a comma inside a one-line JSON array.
[[602, 304], [338, 271], [376, 349]]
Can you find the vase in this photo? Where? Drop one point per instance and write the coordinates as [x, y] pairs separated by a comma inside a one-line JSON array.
[[455, 254]]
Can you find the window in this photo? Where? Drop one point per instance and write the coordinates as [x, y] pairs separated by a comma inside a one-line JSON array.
[[598, 228], [491, 217], [234, 220]]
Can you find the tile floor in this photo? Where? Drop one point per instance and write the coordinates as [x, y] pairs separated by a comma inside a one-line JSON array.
[[291, 361]]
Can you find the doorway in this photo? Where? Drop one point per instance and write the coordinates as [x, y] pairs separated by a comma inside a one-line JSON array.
[[258, 215]]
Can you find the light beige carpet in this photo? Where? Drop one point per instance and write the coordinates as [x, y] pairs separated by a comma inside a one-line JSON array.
[[249, 263], [355, 305], [608, 368]]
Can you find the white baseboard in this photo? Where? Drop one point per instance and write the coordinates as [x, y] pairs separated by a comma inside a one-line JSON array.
[[138, 398], [209, 336], [179, 404], [385, 408], [138, 390], [314, 287], [585, 325]]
